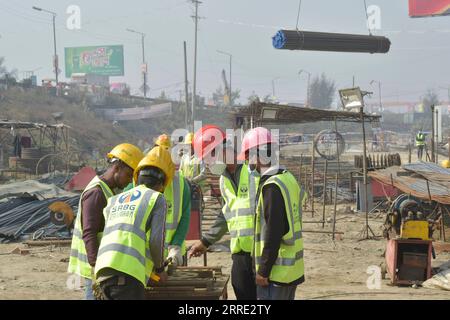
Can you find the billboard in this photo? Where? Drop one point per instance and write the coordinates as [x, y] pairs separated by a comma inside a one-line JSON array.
[[427, 8], [101, 60]]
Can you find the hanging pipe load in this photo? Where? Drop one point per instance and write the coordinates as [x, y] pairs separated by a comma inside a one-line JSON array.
[[324, 41]]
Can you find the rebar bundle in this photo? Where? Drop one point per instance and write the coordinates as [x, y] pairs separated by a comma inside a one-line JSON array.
[[323, 41], [21, 217]]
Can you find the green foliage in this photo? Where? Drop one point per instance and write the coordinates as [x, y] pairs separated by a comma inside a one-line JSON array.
[[430, 98], [322, 92]]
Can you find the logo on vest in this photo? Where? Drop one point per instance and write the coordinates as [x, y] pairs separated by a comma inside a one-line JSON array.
[[244, 189], [130, 197]]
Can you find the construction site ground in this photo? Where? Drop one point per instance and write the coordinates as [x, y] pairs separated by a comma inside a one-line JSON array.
[[333, 269]]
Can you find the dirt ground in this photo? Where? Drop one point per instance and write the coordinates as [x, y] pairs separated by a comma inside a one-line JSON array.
[[333, 270]]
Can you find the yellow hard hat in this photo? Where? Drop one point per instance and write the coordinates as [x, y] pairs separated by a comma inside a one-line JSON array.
[[127, 153], [445, 164], [164, 141], [189, 138], [160, 158]]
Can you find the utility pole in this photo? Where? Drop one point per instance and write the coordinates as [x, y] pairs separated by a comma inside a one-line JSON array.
[[55, 56], [186, 83], [231, 61], [144, 65], [194, 90], [379, 92], [433, 159], [308, 89]]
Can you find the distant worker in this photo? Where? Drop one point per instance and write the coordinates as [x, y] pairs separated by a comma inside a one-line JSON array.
[[89, 223], [278, 248], [178, 198], [132, 247], [420, 144], [238, 186], [163, 141], [445, 164], [191, 166]]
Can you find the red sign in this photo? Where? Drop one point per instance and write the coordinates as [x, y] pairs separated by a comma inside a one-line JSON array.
[[428, 8]]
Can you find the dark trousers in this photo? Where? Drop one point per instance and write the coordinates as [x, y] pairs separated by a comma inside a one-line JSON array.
[[420, 152], [122, 287], [276, 292], [243, 277]]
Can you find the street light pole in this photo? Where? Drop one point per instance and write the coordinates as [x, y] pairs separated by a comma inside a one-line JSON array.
[[231, 62], [55, 56], [143, 59], [379, 91], [308, 89]]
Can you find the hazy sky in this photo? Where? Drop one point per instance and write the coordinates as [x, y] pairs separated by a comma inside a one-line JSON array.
[[418, 60]]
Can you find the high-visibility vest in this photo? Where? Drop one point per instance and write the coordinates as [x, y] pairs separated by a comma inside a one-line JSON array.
[[289, 265], [125, 242], [78, 262], [174, 199], [420, 139], [239, 209], [190, 166]]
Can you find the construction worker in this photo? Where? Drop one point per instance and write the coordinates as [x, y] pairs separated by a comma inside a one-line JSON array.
[[163, 141], [89, 223], [178, 198], [132, 246], [191, 166], [238, 189], [278, 247], [420, 144]]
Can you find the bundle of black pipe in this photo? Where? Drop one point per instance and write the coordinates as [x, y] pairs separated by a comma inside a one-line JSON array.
[[322, 41]]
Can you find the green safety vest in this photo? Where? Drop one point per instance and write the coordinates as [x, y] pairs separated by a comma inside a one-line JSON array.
[[420, 139], [289, 265], [239, 209], [78, 262], [125, 243], [174, 199], [190, 166]]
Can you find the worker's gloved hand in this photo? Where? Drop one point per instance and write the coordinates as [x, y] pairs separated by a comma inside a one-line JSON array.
[[197, 249], [163, 276], [175, 254]]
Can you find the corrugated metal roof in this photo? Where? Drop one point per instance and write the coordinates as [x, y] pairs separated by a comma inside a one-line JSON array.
[[414, 183]]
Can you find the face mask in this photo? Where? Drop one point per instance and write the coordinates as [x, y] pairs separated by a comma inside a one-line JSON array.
[[217, 168]]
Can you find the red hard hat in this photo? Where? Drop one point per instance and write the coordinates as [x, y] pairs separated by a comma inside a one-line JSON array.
[[254, 138], [207, 139]]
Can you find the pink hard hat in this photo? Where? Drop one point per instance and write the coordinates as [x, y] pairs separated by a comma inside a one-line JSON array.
[[254, 138]]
